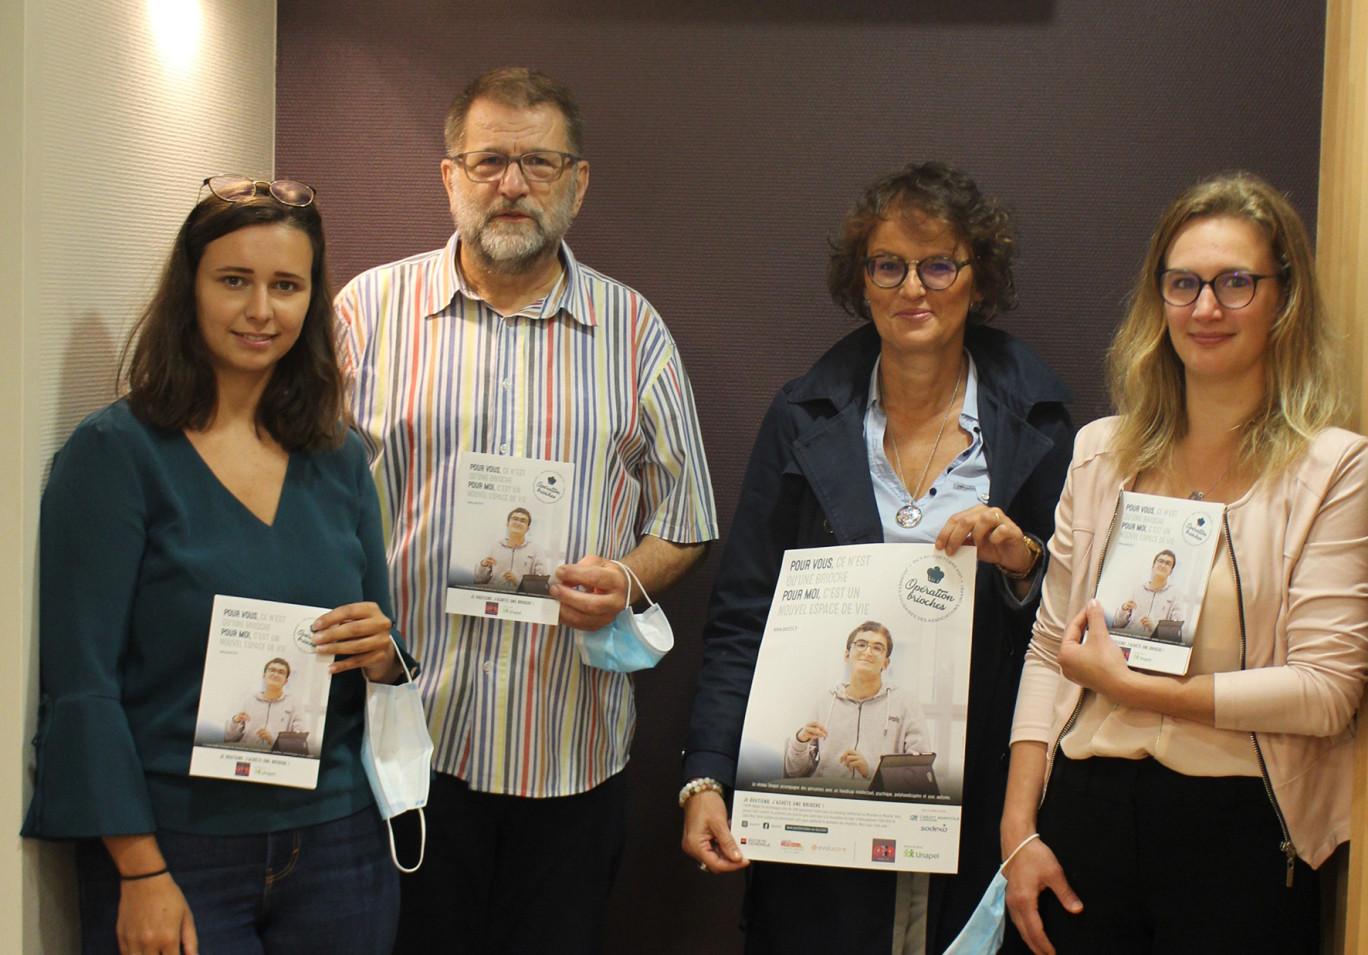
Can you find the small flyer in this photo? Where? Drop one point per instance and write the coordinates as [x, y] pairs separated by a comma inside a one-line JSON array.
[[264, 699], [1154, 576], [511, 531], [852, 753]]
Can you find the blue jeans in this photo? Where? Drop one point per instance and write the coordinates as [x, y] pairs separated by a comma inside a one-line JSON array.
[[325, 888]]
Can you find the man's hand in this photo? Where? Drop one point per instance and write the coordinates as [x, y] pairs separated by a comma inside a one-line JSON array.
[[591, 592], [811, 731], [707, 834]]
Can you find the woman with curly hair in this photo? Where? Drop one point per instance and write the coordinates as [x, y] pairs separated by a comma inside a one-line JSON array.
[[1190, 812], [925, 425]]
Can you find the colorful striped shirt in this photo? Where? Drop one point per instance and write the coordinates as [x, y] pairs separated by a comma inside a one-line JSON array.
[[589, 375]]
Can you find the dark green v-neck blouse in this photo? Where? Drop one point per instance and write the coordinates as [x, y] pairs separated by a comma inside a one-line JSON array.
[[137, 536]]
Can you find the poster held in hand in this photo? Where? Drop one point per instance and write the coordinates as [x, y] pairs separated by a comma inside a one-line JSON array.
[[511, 530], [1154, 577], [852, 752], [264, 695]]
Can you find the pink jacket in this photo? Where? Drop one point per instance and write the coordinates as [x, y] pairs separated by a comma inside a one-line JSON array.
[[1300, 542]]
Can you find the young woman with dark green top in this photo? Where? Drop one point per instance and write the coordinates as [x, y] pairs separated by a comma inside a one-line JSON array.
[[225, 469]]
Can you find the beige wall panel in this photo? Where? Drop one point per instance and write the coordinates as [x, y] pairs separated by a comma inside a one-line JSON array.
[[113, 111], [1342, 244]]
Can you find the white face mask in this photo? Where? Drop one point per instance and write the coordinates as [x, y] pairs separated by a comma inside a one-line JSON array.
[[396, 752], [631, 641]]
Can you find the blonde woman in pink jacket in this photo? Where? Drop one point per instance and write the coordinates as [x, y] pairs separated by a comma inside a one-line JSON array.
[[1189, 814]]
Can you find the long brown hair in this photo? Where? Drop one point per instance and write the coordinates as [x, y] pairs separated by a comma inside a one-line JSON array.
[[166, 365], [1146, 375]]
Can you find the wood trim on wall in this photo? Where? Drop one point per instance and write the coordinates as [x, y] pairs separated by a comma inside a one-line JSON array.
[[1342, 244]]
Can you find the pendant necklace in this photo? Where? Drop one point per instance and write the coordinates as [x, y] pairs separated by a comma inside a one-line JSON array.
[[1196, 495], [910, 515]]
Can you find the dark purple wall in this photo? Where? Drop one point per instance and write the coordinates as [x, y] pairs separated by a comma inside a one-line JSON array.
[[727, 137]]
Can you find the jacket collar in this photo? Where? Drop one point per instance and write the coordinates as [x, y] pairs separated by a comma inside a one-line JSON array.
[[1012, 379]]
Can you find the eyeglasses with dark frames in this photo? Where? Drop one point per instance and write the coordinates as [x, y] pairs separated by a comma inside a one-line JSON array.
[[287, 192], [1232, 288], [860, 646], [541, 165], [936, 273]]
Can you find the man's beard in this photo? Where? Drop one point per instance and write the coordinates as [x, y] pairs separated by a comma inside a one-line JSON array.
[[509, 247]]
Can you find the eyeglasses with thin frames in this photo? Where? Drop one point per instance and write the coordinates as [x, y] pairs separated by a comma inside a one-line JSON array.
[[936, 273], [541, 165], [1232, 288], [860, 646], [287, 192]]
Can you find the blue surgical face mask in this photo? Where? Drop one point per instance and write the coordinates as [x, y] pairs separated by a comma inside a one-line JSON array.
[[631, 641], [982, 934]]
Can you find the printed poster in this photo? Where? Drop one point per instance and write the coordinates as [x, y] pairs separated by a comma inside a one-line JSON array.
[[511, 531], [264, 697], [1154, 576], [852, 753]]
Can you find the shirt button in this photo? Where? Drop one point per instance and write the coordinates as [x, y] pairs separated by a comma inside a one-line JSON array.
[[487, 666], [503, 449], [505, 384]]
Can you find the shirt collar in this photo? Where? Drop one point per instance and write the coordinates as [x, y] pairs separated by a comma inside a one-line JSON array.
[[569, 295]]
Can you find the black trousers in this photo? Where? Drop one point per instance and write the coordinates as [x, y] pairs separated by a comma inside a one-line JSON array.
[[506, 874], [1171, 864]]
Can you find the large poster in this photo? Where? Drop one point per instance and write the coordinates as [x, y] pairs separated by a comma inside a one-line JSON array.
[[852, 752]]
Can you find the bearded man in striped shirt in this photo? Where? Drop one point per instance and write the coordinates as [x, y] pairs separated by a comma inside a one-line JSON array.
[[501, 342]]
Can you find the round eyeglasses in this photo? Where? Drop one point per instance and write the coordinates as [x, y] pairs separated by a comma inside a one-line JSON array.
[[860, 646], [936, 273], [542, 165], [1232, 288], [287, 192]]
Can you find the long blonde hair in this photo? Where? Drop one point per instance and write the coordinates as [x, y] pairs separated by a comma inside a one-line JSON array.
[[1146, 375]]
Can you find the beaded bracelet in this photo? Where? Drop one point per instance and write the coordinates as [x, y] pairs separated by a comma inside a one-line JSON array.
[[703, 784]]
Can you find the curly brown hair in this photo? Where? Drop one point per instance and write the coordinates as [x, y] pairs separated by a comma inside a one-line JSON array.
[[940, 191], [166, 364]]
